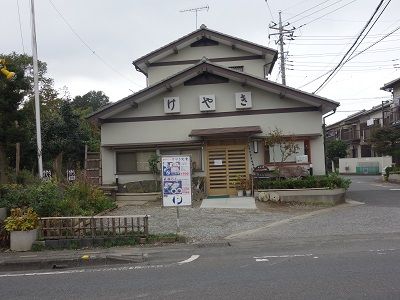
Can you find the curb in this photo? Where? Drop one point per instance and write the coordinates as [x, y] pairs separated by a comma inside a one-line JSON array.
[[19, 264], [348, 203]]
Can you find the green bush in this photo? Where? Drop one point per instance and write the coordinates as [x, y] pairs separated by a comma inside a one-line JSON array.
[[331, 181], [49, 198], [82, 198]]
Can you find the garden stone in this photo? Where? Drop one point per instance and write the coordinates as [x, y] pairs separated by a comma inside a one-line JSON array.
[[133, 187]]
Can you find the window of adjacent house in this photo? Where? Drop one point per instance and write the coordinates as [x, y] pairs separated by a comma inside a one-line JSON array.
[[273, 153], [194, 153], [133, 161], [237, 68]]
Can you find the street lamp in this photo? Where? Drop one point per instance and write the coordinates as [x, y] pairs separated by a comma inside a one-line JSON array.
[[9, 75]]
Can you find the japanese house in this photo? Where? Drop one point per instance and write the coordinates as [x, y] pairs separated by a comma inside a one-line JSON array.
[[208, 96], [356, 130]]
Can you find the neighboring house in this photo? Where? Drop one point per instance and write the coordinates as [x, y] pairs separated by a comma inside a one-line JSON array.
[[208, 97], [392, 114], [356, 129]]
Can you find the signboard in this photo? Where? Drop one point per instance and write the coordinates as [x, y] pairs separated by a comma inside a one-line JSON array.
[[301, 159], [46, 175], [243, 100], [171, 105], [71, 175], [207, 102], [217, 162], [176, 180]]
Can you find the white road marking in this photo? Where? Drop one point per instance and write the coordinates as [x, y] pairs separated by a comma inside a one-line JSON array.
[[394, 190], [262, 259], [315, 257], [82, 271], [282, 256], [190, 259]]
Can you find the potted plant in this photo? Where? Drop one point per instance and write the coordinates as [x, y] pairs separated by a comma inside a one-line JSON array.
[[22, 225], [248, 187], [240, 185]]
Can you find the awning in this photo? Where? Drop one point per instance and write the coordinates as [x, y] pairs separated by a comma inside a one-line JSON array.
[[226, 131]]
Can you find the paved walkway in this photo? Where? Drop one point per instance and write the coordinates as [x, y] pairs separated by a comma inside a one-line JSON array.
[[231, 202]]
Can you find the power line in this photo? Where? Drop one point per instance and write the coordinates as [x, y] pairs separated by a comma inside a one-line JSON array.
[[362, 51], [307, 10], [270, 12], [294, 5], [337, 53], [335, 44], [90, 48], [352, 47], [20, 28], [317, 11], [326, 14]]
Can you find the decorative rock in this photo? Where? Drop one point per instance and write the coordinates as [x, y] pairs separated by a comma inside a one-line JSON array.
[[263, 196]]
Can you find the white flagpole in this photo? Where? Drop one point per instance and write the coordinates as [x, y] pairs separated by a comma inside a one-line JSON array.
[[36, 88]]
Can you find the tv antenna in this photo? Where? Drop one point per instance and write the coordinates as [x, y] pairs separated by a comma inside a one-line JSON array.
[[196, 10]]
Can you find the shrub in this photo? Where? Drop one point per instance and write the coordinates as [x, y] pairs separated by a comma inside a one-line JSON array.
[[21, 220], [81, 198], [48, 198], [331, 181]]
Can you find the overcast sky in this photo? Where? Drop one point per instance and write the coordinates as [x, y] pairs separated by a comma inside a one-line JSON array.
[[121, 31]]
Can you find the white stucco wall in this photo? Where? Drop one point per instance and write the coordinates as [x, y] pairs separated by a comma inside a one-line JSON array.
[[179, 129], [254, 67], [225, 100], [351, 163]]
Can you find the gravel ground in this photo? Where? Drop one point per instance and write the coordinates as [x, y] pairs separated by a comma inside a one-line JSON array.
[[209, 224]]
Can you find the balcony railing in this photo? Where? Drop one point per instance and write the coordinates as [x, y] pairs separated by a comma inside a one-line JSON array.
[[350, 135]]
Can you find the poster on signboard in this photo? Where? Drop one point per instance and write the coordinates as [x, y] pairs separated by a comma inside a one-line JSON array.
[[176, 180]]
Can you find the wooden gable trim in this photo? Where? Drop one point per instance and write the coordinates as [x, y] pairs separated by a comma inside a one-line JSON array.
[[195, 61], [213, 115]]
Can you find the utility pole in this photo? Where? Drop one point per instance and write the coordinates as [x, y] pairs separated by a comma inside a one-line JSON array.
[[283, 33], [196, 10], [36, 88]]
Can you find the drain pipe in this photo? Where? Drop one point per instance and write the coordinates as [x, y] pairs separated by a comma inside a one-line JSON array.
[[324, 133]]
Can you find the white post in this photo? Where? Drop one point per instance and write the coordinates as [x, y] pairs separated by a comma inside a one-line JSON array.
[[36, 88]]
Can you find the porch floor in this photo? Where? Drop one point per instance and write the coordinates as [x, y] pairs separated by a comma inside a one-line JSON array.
[[231, 202]]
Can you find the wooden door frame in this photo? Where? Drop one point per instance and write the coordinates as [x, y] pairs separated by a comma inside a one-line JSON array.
[[225, 144]]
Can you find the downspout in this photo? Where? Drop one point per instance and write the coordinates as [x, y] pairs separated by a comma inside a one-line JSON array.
[[324, 134]]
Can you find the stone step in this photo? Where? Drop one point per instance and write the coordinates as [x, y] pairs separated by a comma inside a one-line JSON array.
[[134, 197], [130, 203]]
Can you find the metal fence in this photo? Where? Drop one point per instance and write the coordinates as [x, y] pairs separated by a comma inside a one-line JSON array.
[[93, 227]]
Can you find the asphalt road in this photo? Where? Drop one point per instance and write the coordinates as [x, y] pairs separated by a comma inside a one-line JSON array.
[[372, 191], [339, 261]]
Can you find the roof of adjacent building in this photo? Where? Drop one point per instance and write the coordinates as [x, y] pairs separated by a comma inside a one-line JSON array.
[[390, 84], [361, 113], [142, 62], [204, 66]]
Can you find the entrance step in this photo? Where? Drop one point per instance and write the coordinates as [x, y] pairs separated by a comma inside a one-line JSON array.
[[217, 196]]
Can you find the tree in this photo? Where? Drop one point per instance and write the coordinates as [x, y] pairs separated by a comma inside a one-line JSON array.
[[91, 101], [12, 93], [336, 149], [287, 144], [386, 141]]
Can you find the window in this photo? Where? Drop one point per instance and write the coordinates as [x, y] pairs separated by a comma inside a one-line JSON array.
[[273, 154], [133, 162], [195, 154]]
